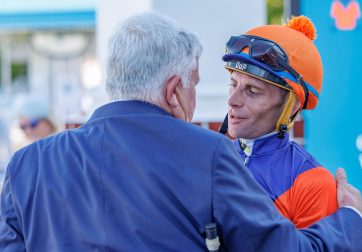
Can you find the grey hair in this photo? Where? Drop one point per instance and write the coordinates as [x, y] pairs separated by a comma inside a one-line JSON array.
[[144, 52]]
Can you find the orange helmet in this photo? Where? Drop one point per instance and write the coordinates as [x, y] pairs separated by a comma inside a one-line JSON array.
[[282, 55]]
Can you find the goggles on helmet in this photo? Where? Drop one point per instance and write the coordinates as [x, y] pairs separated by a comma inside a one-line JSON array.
[[266, 52], [260, 49]]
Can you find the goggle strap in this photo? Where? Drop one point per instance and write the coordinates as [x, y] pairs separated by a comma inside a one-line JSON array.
[[299, 78], [294, 116]]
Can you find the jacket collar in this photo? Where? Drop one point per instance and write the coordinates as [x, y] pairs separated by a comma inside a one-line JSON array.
[[265, 144], [132, 107]]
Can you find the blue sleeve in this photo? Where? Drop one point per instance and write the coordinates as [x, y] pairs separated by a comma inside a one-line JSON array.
[[11, 239], [249, 221]]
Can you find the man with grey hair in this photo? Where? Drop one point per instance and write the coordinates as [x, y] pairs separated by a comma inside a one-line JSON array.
[[137, 178]]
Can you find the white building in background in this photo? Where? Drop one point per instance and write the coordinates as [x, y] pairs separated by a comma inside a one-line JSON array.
[[57, 48], [213, 20]]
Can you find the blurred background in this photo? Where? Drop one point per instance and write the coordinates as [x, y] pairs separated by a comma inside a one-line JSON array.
[[52, 56]]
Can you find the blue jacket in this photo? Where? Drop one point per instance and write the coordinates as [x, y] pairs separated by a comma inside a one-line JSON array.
[[133, 178]]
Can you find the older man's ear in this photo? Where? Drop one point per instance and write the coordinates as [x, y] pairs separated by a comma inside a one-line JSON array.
[[174, 98]]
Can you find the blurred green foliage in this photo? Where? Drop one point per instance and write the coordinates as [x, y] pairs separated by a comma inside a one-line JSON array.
[[275, 11], [18, 70]]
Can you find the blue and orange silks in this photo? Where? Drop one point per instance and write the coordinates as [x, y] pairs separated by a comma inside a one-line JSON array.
[[302, 190]]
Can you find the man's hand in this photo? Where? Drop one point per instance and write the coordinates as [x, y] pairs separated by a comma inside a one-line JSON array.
[[347, 195]]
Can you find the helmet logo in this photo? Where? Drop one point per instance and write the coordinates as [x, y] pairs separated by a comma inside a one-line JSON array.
[[238, 65], [241, 66]]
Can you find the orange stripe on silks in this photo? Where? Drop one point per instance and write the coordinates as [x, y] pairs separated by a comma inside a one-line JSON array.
[[312, 197]]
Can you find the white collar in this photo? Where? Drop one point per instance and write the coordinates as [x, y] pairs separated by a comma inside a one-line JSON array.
[[247, 144]]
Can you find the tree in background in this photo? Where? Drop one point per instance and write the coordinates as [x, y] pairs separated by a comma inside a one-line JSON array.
[[275, 11]]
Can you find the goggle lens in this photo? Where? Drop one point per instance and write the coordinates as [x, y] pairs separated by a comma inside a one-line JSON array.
[[260, 49]]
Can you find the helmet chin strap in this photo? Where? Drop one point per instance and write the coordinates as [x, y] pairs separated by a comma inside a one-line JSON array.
[[286, 119]]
